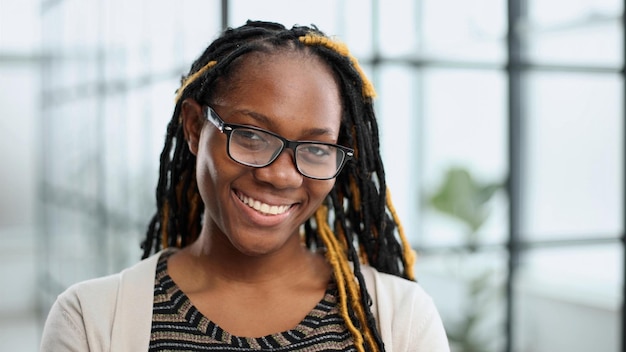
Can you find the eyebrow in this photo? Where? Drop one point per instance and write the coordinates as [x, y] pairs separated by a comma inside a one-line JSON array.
[[265, 120]]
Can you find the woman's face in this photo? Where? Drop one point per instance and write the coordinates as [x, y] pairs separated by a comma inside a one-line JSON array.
[[295, 96]]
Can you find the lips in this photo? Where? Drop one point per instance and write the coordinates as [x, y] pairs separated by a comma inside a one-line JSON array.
[[261, 207]]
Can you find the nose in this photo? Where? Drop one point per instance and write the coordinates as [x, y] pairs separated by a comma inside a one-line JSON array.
[[282, 173]]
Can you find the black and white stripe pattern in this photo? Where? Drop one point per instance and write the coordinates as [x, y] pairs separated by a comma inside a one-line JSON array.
[[178, 326]]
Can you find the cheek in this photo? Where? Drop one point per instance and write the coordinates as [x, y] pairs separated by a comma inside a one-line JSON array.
[[320, 189], [209, 161], [212, 149]]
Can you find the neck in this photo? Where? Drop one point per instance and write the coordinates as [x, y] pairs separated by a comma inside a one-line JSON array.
[[214, 254]]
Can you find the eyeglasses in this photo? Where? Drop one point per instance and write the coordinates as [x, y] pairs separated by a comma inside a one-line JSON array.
[[256, 147]]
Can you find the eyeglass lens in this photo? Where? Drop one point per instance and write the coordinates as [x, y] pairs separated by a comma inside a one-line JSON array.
[[257, 148]]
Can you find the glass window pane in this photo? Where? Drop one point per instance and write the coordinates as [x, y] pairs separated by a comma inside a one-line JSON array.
[[399, 28], [72, 152], [558, 29], [105, 107], [116, 153], [125, 40], [161, 35], [464, 30], [75, 244], [572, 181], [399, 126], [464, 149], [355, 26], [469, 292], [81, 34], [349, 20], [569, 299], [19, 145], [198, 24], [19, 26], [322, 13]]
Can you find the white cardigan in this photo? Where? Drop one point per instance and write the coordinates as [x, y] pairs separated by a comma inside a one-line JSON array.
[[114, 313]]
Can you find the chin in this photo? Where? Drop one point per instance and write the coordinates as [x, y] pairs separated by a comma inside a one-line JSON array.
[[259, 242]]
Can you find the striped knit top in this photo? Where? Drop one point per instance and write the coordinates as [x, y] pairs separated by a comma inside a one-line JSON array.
[[178, 326]]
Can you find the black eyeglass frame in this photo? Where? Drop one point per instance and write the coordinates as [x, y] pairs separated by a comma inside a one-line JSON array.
[[228, 128]]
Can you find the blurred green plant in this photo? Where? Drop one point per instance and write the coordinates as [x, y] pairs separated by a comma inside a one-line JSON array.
[[463, 198]]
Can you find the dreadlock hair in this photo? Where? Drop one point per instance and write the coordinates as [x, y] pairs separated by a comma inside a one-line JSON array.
[[357, 223]]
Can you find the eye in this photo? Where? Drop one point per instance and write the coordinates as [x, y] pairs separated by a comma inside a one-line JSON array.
[[250, 139], [317, 150], [316, 153], [248, 134]]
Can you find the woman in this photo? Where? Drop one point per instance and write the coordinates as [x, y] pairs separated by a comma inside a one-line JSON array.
[[272, 207]]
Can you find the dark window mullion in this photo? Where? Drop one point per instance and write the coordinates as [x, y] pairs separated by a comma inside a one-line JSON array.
[[514, 73], [623, 74], [224, 13]]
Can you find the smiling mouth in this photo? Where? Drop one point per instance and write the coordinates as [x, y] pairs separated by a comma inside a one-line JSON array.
[[263, 207]]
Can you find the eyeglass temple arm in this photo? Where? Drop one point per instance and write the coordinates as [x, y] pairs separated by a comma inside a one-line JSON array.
[[214, 118]]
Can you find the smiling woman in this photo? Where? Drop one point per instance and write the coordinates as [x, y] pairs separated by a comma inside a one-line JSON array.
[[274, 228]]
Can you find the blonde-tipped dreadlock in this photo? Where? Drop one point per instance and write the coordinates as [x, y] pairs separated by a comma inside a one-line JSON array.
[[341, 49], [192, 77], [346, 283], [409, 253], [365, 229]]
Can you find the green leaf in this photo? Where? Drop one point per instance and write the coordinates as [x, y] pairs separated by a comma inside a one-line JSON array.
[[461, 197]]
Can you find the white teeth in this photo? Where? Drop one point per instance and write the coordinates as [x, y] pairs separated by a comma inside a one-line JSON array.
[[263, 207]]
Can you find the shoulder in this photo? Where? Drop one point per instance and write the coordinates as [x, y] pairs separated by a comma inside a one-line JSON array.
[[82, 292], [68, 326], [82, 316], [407, 316], [90, 297], [101, 293], [391, 289]]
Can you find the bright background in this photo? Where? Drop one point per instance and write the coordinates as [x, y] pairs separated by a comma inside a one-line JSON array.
[[502, 128]]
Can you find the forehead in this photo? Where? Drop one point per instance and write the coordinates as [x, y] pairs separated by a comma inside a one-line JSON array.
[[282, 58], [288, 84]]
